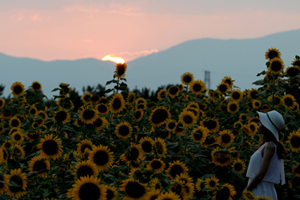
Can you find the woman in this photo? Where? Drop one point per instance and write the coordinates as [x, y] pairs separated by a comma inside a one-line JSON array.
[[266, 164]]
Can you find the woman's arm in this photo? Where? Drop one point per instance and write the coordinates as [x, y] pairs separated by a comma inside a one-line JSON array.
[[268, 154]]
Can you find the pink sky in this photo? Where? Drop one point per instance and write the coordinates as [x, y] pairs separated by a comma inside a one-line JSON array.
[[79, 29]]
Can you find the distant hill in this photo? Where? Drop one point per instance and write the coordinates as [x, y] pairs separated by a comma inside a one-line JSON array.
[[241, 59]]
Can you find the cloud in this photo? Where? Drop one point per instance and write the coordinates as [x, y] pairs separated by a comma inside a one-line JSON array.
[[138, 53], [35, 18]]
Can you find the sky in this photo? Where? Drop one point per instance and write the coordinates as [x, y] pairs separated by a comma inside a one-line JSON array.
[[73, 29]]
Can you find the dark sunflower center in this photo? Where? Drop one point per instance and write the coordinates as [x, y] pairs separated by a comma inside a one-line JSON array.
[[17, 89], [137, 114], [176, 170], [244, 117], [163, 94], [209, 140], [188, 119], [236, 95], [297, 169], [156, 164], [124, 130], [17, 137], [116, 104], [60, 116], [159, 147], [84, 171], [173, 90], [171, 125], [134, 189], [159, 116], [179, 128], [226, 138], [102, 108], [36, 86], [295, 141], [88, 114], [272, 54], [109, 194], [101, 158], [257, 104], [18, 180], [238, 167], [223, 193], [32, 111], [98, 122], [276, 66], [89, 191], [233, 107], [7, 145], [288, 101], [197, 87], [133, 154], [84, 147], [228, 81], [87, 97], [187, 79], [222, 157], [147, 146], [177, 189], [212, 183], [121, 69], [15, 123], [210, 124], [292, 72], [1, 102], [50, 147], [39, 165], [253, 94], [223, 88], [198, 135], [95, 98]]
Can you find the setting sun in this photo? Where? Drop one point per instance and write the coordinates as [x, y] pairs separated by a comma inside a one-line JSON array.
[[113, 59]]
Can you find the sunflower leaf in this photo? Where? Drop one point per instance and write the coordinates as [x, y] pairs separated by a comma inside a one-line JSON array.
[[111, 81], [258, 82], [108, 90], [55, 89]]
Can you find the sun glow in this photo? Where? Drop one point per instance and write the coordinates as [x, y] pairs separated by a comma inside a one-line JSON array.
[[113, 59]]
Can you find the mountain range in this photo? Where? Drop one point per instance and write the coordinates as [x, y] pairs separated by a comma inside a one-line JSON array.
[[241, 59]]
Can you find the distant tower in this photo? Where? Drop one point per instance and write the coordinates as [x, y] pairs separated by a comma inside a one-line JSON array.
[[207, 79]]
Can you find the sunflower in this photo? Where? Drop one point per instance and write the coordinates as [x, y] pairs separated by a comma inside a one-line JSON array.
[[153, 194], [6, 114], [187, 78], [146, 144], [42, 114], [187, 118], [7, 144], [3, 183], [292, 72], [233, 107], [211, 183], [155, 184], [11, 131], [173, 91], [100, 122], [85, 168], [156, 165], [159, 116], [36, 86], [225, 138], [248, 195], [134, 189], [199, 134], [209, 140], [161, 94], [65, 103], [294, 141], [223, 88], [239, 166], [88, 115], [20, 179], [221, 158], [101, 157], [247, 130], [84, 145], [123, 130], [179, 130], [111, 193], [176, 168], [276, 66], [168, 196], [256, 104], [61, 117], [138, 115], [296, 170], [160, 147], [102, 109], [171, 125], [18, 151], [117, 103], [243, 117], [86, 97], [3, 154], [236, 95], [263, 197], [50, 147], [17, 89], [2, 103], [120, 70], [177, 188], [272, 53], [225, 192], [253, 94], [79, 122], [211, 124], [200, 184], [39, 165], [288, 101], [1, 129], [253, 127], [265, 107], [189, 188], [228, 80], [88, 188], [197, 87], [33, 110], [17, 137]]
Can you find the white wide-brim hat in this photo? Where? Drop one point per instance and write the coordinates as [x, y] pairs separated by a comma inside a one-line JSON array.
[[273, 121]]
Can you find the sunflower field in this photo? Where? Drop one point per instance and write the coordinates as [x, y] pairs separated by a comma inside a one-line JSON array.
[[190, 143]]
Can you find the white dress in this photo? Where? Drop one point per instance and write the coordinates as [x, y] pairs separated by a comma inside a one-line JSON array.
[[266, 187]]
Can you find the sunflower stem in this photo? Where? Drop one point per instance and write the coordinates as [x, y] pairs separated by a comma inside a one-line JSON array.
[[118, 84]]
